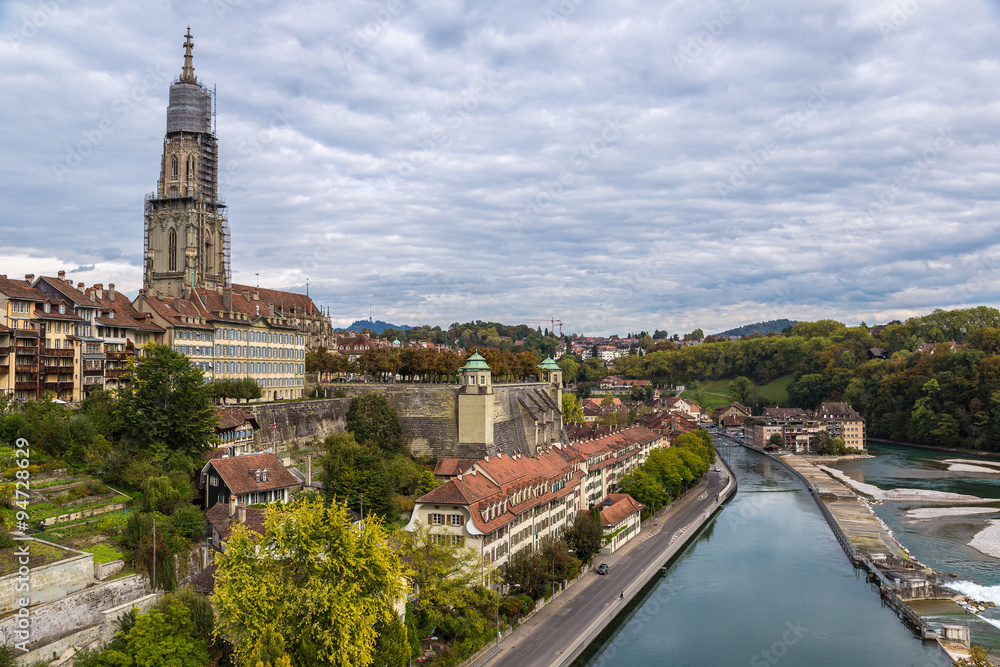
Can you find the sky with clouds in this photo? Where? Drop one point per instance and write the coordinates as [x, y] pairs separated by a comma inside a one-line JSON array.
[[618, 166]]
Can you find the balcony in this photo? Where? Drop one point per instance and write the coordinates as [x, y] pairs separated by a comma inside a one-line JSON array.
[[116, 356], [58, 386], [21, 368], [48, 352], [25, 333], [116, 374], [26, 351], [5, 350], [4, 369], [91, 372], [31, 386], [54, 368]]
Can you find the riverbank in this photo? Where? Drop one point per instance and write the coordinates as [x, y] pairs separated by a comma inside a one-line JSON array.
[[902, 580], [557, 634]]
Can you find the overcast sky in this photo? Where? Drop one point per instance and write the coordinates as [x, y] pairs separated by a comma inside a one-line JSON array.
[[618, 166]]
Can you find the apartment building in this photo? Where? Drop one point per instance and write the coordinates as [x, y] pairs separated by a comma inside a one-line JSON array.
[[500, 505]]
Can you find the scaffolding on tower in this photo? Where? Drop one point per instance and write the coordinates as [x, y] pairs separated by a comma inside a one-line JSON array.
[[227, 275]]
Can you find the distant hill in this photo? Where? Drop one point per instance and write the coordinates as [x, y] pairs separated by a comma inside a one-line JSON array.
[[378, 326], [763, 328]]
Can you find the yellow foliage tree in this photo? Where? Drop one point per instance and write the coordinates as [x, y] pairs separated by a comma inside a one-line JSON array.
[[313, 578]]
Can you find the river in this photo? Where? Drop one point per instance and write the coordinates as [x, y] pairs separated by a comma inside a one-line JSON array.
[[765, 583], [941, 543]]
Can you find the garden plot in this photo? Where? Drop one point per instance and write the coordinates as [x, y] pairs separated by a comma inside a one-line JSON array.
[[69, 499]]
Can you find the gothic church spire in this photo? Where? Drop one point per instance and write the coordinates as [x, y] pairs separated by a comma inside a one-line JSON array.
[[187, 74]]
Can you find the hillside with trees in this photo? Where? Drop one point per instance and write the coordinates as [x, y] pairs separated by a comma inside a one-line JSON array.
[[938, 383], [762, 328]]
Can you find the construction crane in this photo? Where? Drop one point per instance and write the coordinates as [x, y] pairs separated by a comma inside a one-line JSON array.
[[552, 321]]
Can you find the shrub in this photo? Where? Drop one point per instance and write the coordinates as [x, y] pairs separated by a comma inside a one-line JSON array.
[[188, 521]]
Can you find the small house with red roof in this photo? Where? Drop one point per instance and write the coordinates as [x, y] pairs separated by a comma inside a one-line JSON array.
[[254, 479], [620, 520]]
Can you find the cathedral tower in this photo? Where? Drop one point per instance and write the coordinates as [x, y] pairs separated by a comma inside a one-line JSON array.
[[186, 227]]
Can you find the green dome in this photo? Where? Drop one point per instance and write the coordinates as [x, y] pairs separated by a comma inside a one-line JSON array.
[[549, 365], [475, 363]]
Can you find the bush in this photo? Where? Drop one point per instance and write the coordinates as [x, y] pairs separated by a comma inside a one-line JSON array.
[[140, 470], [6, 541], [188, 521]]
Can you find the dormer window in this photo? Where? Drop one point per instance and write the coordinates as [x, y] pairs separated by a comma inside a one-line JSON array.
[[47, 307], [62, 309]]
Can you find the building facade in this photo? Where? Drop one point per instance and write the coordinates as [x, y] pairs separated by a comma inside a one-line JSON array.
[[500, 505]]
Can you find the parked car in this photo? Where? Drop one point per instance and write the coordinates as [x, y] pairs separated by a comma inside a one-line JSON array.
[[602, 568]]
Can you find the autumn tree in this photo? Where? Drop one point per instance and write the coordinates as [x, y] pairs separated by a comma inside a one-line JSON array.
[[321, 583]]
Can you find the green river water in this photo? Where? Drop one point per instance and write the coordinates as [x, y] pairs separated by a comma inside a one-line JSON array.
[[766, 582]]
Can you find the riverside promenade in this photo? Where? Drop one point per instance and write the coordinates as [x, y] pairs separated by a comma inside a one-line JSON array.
[[559, 632]]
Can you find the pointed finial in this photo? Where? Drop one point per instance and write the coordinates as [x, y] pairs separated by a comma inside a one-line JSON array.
[[187, 74]]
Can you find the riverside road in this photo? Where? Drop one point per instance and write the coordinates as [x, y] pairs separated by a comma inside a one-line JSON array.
[[554, 634]]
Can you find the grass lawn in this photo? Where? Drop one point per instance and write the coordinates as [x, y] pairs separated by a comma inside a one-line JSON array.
[[715, 393], [104, 553]]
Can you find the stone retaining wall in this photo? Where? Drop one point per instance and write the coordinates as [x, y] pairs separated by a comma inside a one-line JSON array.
[[84, 514], [74, 612], [48, 582], [104, 571]]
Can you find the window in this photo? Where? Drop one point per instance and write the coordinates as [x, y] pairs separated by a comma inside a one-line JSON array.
[[455, 519], [437, 519], [173, 166], [172, 242], [457, 541]]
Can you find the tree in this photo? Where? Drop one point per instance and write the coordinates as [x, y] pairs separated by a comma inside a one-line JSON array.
[[978, 657], [167, 403], [572, 410], [352, 471], [312, 577], [374, 422], [742, 389], [777, 441], [166, 636], [585, 536]]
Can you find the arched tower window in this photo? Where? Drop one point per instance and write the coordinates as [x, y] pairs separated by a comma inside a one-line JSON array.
[[173, 166], [190, 169], [172, 250], [210, 254]]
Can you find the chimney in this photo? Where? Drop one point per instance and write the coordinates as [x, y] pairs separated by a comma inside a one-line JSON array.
[[80, 286], [256, 294], [309, 470], [243, 513], [232, 506], [111, 291], [62, 275], [98, 290], [204, 557], [177, 304], [29, 276], [227, 298]]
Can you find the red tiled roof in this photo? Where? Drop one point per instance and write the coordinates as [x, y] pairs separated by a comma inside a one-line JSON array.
[[617, 507], [20, 289], [239, 473], [230, 418], [64, 287], [219, 517], [449, 467], [285, 303]]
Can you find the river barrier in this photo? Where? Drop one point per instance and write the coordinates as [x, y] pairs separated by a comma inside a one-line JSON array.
[[867, 542]]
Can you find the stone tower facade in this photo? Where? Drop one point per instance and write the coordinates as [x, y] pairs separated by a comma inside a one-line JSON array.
[[186, 227]]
